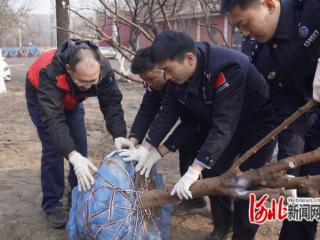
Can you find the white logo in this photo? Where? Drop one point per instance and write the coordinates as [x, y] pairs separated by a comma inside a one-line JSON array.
[[311, 39]]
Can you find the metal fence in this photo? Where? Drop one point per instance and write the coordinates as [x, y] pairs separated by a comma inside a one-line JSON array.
[[32, 51]]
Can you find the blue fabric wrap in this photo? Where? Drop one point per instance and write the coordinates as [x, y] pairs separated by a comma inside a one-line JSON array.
[[112, 210]]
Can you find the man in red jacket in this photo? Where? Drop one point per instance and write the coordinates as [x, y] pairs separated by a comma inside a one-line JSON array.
[[56, 85]]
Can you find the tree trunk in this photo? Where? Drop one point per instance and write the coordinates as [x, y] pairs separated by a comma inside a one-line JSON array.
[[269, 178], [63, 21], [235, 183]]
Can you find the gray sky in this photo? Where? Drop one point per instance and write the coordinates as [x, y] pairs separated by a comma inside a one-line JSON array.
[[41, 7]]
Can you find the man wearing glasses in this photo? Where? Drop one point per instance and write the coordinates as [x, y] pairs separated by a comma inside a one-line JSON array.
[[56, 85]]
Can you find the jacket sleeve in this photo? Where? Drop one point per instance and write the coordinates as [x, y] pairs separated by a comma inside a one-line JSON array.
[[182, 135], [110, 97], [226, 110], [53, 118], [166, 118], [148, 110]]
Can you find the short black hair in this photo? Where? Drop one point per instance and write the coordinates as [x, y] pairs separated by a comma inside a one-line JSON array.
[[142, 61], [79, 54], [173, 45], [228, 5]]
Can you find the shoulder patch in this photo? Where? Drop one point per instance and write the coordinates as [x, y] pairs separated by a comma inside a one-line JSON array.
[[220, 83]]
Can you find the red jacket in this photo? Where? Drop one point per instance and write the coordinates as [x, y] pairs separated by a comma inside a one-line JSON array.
[[69, 101], [49, 87]]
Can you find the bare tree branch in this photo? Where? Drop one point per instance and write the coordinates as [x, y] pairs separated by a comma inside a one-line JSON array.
[[103, 36], [239, 185], [204, 6], [236, 184], [127, 21], [310, 104], [164, 15], [76, 33], [127, 76]]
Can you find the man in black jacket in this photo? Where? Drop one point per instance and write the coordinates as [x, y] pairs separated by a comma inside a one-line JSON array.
[[282, 39], [56, 85], [155, 85], [224, 90]]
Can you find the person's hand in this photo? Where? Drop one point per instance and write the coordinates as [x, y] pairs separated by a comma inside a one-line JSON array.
[[123, 143], [137, 154], [316, 84], [145, 166], [182, 186], [82, 167]]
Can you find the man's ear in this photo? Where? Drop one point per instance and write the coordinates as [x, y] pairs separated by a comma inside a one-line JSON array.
[[68, 68], [190, 57], [270, 4]]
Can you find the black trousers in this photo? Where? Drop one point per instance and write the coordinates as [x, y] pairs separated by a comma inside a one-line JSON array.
[[187, 137], [52, 161], [304, 229], [221, 207], [301, 136], [291, 141]]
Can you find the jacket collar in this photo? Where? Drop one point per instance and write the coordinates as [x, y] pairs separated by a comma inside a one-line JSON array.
[[285, 28], [194, 82]]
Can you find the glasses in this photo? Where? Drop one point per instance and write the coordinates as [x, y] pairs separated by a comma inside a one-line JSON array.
[[81, 83], [149, 79], [158, 71]]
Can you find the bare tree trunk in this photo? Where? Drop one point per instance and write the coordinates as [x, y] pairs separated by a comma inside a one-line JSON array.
[[63, 20], [269, 178], [270, 175]]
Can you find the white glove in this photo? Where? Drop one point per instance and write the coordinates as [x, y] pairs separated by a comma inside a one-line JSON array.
[[316, 84], [123, 143], [291, 192], [182, 186], [137, 154], [145, 166], [82, 166]]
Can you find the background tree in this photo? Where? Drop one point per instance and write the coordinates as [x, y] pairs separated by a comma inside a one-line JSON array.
[[13, 14], [109, 22], [63, 20]]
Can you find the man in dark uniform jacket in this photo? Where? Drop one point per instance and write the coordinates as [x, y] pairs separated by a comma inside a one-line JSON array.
[[155, 85], [56, 85], [282, 39], [225, 91]]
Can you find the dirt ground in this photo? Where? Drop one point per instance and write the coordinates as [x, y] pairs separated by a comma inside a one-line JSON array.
[[20, 198]]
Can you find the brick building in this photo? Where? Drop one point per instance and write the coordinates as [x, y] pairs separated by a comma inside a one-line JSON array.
[[202, 26]]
